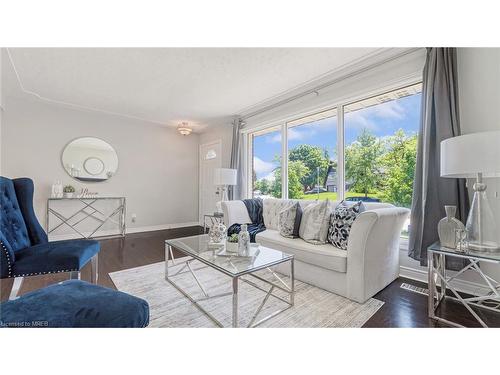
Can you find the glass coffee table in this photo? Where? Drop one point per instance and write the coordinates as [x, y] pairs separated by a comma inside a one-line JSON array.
[[195, 248]]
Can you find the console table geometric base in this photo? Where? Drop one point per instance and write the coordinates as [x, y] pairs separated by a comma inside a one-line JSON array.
[[87, 211], [436, 257]]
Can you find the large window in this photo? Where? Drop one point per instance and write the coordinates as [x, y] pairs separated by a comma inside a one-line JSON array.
[[312, 150], [375, 162], [266, 163], [381, 145]]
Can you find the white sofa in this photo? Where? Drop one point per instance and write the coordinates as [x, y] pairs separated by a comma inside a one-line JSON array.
[[370, 263]]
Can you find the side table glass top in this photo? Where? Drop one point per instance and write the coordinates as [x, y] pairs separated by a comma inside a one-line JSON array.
[[197, 247], [466, 253]]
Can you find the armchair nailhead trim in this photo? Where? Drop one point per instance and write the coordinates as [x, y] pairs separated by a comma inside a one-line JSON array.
[[43, 273], [8, 259]]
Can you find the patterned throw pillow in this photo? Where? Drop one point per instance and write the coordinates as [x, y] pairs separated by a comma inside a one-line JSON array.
[[289, 221], [314, 223], [341, 222]]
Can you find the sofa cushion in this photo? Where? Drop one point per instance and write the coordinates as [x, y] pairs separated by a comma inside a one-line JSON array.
[[73, 304], [326, 256], [314, 223], [341, 221], [289, 221], [52, 257], [12, 223], [272, 208]]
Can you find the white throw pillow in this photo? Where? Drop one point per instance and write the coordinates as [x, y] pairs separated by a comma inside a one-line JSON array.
[[314, 223], [289, 221]]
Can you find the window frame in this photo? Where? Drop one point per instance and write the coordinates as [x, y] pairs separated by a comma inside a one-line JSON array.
[[283, 125]]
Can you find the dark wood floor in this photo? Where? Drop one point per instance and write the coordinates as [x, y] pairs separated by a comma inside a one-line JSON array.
[[402, 308]]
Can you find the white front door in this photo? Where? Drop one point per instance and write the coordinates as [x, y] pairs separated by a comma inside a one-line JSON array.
[[210, 158]]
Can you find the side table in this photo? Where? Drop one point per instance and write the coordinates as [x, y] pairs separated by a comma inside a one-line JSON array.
[[436, 258]]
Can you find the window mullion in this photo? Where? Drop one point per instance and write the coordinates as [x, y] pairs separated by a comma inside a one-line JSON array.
[[284, 161], [340, 154]]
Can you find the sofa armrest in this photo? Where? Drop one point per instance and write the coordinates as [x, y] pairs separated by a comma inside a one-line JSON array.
[[373, 251], [235, 212]]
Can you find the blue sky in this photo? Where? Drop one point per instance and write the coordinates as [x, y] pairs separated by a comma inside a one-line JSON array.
[[382, 120]]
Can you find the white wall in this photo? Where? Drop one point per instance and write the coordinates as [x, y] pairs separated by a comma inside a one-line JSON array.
[[158, 168], [479, 90]]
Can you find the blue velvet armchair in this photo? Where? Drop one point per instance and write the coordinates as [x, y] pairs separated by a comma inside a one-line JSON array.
[[24, 246]]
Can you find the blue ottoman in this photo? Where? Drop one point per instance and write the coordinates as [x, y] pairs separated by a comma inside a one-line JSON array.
[[75, 303]]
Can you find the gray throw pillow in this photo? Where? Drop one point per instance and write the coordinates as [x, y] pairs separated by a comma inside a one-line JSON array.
[[341, 221], [289, 221], [314, 223]]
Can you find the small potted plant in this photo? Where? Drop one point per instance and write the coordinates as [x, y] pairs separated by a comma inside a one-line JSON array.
[[68, 191], [232, 243]]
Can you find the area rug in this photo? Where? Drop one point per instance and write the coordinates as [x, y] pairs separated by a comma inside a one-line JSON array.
[[313, 307]]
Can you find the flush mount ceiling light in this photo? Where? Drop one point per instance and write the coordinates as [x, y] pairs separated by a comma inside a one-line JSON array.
[[184, 129]]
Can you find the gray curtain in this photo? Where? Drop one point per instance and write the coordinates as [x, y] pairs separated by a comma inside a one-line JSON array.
[[235, 191], [439, 120]]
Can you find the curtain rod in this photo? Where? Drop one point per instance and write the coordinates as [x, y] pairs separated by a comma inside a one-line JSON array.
[[316, 89]]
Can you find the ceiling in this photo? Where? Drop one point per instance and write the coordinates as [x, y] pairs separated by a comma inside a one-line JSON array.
[[169, 85]]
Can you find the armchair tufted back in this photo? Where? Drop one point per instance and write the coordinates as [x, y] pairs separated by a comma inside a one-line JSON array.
[[18, 222]]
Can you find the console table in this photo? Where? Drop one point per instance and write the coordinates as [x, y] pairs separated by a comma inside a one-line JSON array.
[[86, 213], [436, 258]]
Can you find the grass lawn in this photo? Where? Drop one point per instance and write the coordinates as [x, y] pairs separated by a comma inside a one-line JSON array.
[[333, 196]]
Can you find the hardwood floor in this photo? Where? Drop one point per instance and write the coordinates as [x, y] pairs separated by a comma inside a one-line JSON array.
[[402, 308]]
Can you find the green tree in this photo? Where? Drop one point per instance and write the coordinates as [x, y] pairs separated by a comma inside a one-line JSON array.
[[399, 165], [276, 184], [296, 171], [256, 185], [363, 163], [312, 157], [264, 186]]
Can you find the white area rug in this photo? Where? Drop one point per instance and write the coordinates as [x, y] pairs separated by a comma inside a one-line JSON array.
[[313, 307]]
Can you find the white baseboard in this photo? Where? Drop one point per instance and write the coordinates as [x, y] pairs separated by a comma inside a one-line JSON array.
[[106, 233], [460, 285]]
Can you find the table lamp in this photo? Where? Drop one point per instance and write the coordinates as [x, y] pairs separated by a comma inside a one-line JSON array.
[[475, 156], [223, 177]]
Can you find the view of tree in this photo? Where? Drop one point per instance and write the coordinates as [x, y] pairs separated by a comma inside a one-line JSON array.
[[296, 170], [382, 167], [399, 165], [363, 163], [276, 185], [312, 157], [263, 185]]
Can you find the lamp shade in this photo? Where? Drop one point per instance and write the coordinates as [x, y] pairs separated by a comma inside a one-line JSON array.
[[467, 155], [225, 176]]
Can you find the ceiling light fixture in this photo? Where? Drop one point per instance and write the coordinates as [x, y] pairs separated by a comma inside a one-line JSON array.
[[184, 129]]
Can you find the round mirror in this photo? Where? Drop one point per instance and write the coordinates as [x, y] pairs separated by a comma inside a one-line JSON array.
[[90, 159]]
